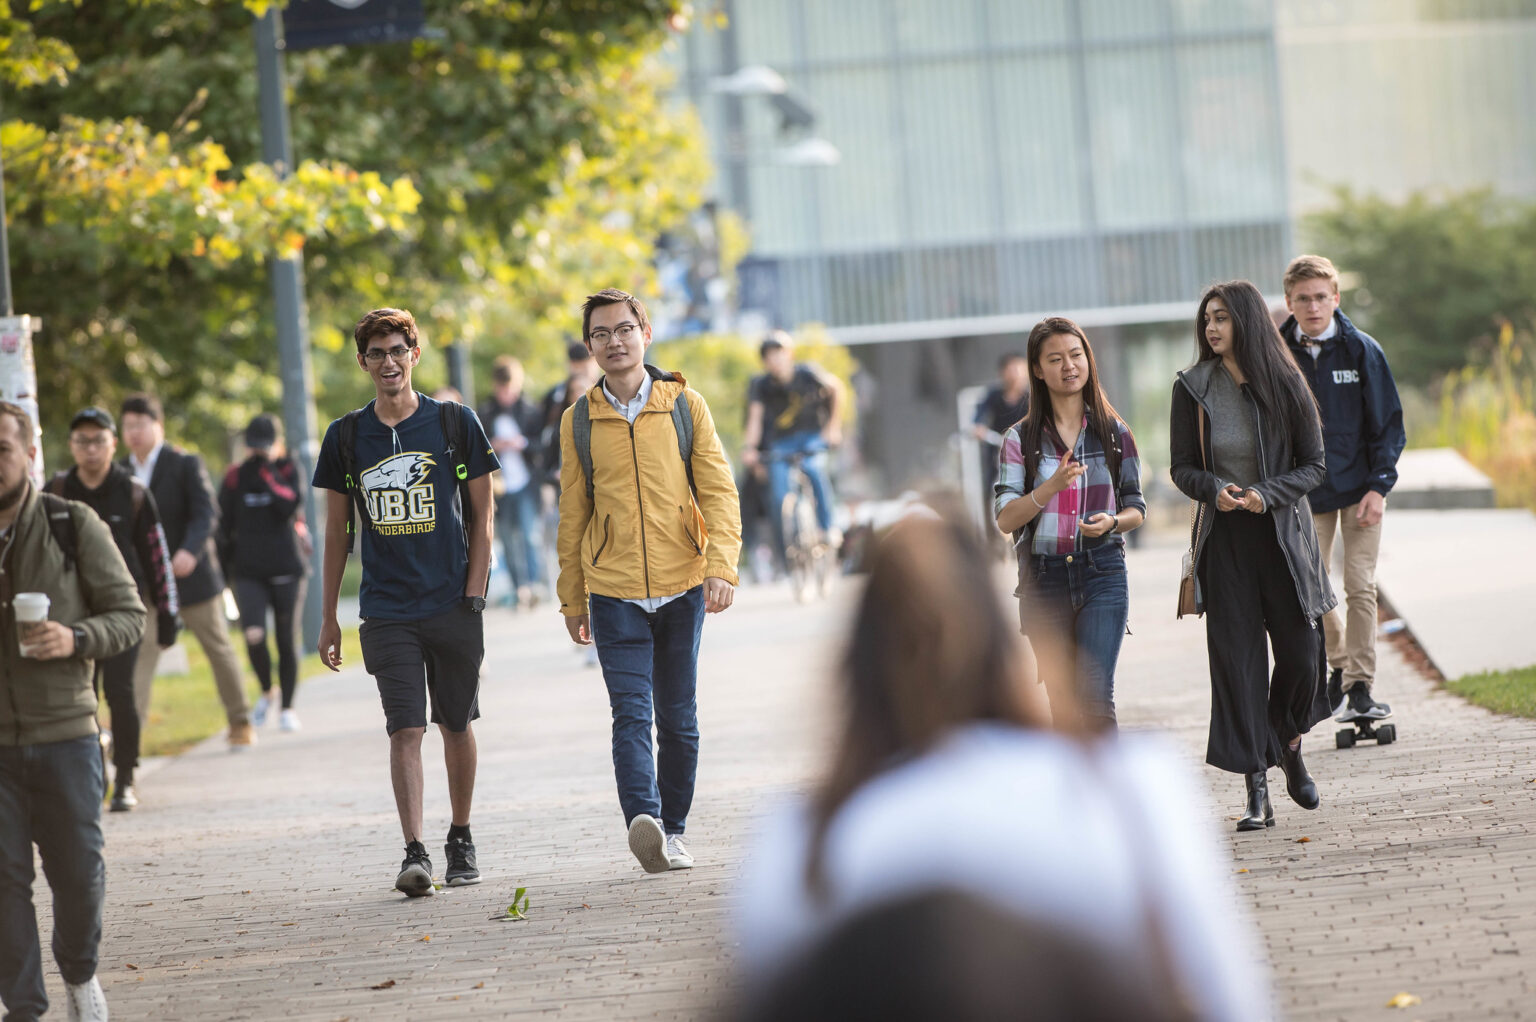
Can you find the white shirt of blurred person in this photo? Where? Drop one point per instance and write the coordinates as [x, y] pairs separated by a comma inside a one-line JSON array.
[[516, 432], [793, 408], [946, 779]]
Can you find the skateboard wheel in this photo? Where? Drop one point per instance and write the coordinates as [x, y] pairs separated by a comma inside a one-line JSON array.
[[1386, 734], [1344, 739]]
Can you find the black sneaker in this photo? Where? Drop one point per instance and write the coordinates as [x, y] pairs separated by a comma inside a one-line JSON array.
[[415, 879], [462, 870], [1362, 705], [1336, 691], [123, 797]]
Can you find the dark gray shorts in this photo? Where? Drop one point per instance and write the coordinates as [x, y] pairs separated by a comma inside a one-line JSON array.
[[436, 660]]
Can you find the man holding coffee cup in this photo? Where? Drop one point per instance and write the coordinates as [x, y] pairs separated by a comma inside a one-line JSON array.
[[64, 584]]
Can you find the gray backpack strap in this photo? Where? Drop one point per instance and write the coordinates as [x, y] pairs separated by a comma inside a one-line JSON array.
[[682, 424], [581, 433]]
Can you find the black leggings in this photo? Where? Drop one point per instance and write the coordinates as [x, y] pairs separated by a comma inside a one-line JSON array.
[[114, 678], [283, 594]]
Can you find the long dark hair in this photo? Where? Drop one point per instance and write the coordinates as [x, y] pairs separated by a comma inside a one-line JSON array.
[[1103, 420], [1274, 378], [931, 649]]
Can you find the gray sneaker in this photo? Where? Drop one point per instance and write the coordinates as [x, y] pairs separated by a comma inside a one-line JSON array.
[[415, 879], [678, 856], [649, 844]]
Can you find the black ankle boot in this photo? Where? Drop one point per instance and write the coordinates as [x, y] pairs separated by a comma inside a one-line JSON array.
[[1260, 813], [1298, 783]]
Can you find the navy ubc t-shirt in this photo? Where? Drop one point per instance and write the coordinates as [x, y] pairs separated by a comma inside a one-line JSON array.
[[415, 560]]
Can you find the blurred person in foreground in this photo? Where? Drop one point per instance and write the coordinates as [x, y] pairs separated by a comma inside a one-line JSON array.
[[51, 776], [947, 779], [265, 544]]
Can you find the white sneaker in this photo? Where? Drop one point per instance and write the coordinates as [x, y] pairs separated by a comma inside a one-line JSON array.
[[288, 721], [678, 856], [649, 843], [86, 1001], [260, 710]]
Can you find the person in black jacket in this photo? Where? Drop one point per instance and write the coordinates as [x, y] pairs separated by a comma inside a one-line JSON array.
[[129, 511], [516, 429], [184, 495], [1247, 443], [264, 542], [1363, 433]]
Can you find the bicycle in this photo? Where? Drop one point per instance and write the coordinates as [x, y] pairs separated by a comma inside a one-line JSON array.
[[808, 551]]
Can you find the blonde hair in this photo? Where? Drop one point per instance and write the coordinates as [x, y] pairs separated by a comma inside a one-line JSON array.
[[1310, 267]]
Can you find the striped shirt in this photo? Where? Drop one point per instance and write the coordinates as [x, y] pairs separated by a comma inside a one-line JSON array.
[[1055, 529]]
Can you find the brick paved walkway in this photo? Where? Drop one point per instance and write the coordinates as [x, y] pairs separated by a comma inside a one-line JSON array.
[[257, 886]]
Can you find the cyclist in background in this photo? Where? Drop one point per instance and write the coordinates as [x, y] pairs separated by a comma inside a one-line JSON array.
[[793, 408]]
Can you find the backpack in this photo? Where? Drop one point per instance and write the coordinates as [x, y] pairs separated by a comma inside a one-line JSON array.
[[682, 424], [56, 507], [61, 523], [455, 433]]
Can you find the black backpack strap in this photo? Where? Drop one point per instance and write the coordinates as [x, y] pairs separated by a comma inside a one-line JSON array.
[[682, 424], [61, 523], [450, 416], [346, 447], [581, 435]]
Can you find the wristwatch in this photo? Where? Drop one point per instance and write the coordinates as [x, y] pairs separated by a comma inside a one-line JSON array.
[[476, 604], [79, 634]]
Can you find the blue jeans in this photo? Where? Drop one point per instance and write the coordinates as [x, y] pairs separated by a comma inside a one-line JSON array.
[[815, 468], [50, 794], [520, 528], [1073, 607], [651, 662]]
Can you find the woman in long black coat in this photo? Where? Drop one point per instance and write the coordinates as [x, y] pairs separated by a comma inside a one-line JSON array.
[[1247, 442]]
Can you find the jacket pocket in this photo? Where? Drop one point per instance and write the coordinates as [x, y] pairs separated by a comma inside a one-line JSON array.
[[607, 534], [683, 516]]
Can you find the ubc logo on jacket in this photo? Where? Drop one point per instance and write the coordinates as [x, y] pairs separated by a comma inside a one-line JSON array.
[[400, 499], [1346, 376]]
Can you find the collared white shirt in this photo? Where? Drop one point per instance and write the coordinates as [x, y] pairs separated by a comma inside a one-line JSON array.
[[1315, 344], [631, 412], [142, 470]]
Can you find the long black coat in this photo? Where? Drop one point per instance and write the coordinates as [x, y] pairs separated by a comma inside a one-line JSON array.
[[184, 494], [1291, 465]]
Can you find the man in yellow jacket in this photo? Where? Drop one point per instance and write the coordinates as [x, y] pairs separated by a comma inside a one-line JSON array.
[[650, 530]]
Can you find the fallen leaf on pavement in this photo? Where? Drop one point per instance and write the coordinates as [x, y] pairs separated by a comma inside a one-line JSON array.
[[1303, 840], [1242, 871], [426, 937], [132, 966], [479, 986], [384, 985], [1404, 1001]]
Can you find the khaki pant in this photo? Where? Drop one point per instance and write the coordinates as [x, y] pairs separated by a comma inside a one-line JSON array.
[[1351, 626], [206, 621]]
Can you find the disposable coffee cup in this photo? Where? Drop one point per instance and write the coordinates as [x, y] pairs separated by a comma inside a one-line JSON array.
[[31, 614]]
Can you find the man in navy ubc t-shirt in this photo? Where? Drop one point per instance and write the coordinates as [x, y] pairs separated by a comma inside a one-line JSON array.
[[425, 566]]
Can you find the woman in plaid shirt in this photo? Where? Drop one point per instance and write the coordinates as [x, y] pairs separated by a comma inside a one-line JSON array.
[[1068, 488]]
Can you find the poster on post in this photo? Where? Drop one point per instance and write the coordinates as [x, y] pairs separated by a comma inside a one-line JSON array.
[[18, 375], [308, 24]]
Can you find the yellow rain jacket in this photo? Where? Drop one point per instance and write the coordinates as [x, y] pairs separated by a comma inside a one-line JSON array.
[[643, 534]]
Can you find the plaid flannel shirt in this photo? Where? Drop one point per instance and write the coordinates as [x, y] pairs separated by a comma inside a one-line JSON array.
[[1055, 529]]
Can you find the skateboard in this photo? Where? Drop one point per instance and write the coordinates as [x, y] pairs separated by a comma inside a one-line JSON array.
[[1365, 729]]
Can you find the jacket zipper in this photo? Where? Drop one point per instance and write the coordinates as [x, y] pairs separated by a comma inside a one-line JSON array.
[[684, 516], [1258, 431], [645, 559], [607, 521]]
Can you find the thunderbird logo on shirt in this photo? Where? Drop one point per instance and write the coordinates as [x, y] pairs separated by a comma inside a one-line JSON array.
[[400, 500]]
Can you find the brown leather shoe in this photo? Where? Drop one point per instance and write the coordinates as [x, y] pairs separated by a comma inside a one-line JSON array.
[[241, 735]]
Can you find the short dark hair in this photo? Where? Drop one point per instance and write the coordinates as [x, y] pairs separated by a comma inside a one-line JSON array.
[[1010, 357], [575, 351], [775, 340], [23, 420], [382, 323], [612, 296], [142, 404], [503, 368]]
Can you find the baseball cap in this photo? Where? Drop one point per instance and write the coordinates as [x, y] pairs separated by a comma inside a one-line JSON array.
[[93, 416]]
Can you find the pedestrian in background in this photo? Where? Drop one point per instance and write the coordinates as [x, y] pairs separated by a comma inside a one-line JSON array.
[[946, 778], [265, 544], [516, 429], [1068, 489], [184, 495], [129, 510], [51, 777], [1363, 436], [1247, 443], [1004, 404]]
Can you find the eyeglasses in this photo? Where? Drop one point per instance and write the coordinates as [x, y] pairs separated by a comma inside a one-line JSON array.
[[100, 440], [400, 353], [1310, 300], [622, 332]]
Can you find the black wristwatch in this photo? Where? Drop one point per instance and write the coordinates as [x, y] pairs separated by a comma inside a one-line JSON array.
[[476, 604], [79, 640]]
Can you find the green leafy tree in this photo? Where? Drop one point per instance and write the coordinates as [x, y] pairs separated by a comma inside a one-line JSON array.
[[486, 179], [1432, 277]]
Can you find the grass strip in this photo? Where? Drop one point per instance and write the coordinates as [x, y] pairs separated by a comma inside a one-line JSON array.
[[1510, 692]]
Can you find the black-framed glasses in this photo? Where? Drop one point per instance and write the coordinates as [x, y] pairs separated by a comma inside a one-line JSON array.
[[400, 353], [100, 440], [622, 332]]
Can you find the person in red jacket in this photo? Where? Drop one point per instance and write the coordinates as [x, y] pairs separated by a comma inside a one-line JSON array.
[[264, 545]]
